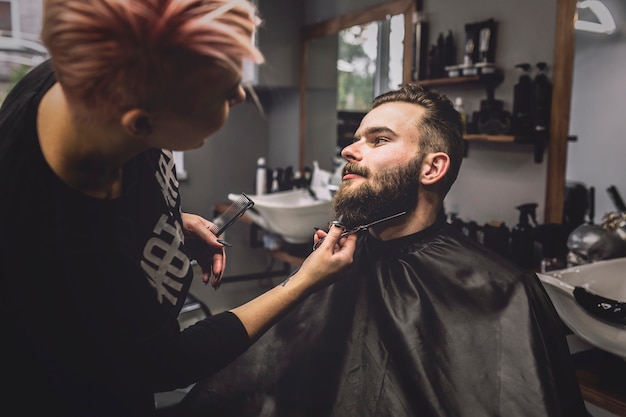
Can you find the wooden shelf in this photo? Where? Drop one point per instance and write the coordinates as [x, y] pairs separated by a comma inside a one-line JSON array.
[[436, 82], [539, 142], [490, 138], [488, 80]]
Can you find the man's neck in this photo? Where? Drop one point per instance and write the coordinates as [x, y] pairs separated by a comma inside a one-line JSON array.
[[422, 217]]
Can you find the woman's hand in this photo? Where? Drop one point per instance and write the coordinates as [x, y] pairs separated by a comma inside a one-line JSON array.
[[204, 247], [330, 259], [325, 265]]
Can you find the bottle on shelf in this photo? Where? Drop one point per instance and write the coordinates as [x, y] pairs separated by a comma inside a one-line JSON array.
[[541, 100], [458, 106], [521, 123], [522, 241], [450, 48], [261, 176]]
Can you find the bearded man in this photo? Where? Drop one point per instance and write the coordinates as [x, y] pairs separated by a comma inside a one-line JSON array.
[[429, 323]]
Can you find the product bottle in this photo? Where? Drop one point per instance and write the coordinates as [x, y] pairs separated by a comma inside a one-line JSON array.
[[541, 100], [522, 241], [496, 237], [441, 56], [275, 180], [450, 49], [261, 176], [522, 98], [458, 106]]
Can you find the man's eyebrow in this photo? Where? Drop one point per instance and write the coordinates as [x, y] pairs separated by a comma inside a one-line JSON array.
[[375, 130]]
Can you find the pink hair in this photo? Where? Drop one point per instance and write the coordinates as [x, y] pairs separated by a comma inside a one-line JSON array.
[[112, 55]]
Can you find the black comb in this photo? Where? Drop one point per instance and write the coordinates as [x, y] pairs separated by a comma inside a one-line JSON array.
[[232, 213]]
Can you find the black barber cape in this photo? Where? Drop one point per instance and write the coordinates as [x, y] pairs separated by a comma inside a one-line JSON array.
[[431, 324]]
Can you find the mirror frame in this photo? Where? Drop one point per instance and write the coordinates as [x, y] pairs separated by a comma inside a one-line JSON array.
[[562, 75]]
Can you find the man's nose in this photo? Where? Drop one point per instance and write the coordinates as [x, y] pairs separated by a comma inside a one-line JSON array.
[[351, 152]]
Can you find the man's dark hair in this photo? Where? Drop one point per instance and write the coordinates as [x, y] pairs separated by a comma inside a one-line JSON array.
[[441, 127]]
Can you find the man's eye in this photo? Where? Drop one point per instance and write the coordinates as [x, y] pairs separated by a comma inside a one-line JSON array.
[[380, 139]]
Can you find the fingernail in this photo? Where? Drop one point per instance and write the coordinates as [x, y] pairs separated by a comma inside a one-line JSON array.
[[316, 228], [223, 242]]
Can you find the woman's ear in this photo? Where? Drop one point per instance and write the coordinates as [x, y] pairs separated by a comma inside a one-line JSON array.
[[434, 167], [137, 123]]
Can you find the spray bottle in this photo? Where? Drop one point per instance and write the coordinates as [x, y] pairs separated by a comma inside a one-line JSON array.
[[522, 241]]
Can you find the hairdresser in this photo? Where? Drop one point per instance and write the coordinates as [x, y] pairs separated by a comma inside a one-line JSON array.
[[93, 261]]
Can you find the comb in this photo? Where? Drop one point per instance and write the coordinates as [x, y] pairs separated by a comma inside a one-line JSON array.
[[232, 213]]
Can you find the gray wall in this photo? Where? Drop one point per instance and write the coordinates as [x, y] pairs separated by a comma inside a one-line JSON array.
[[598, 119], [503, 176], [227, 161]]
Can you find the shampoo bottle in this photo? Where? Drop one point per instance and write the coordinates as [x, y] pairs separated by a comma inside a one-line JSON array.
[[450, 49], [261, 176], [522, 241], [521, 122], [541, 100]]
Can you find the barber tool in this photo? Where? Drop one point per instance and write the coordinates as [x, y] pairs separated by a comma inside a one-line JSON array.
[[232, 213], [609, 310], [358, 228]]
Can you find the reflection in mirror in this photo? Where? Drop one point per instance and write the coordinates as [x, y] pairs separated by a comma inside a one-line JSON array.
[[369, 62], [318, 72], [345, 72]]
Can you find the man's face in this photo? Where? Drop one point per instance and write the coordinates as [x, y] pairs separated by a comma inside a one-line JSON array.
[[382, 175]]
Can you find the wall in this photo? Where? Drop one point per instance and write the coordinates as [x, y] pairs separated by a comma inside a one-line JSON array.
[[227, 161], [597, 158], [502, 176]]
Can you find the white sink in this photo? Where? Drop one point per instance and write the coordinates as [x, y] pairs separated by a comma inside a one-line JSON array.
[[605, 278], [290, 214]]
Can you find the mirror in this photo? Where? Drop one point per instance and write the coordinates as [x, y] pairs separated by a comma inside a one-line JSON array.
[[346, 71], [318, 87], [317, 131]]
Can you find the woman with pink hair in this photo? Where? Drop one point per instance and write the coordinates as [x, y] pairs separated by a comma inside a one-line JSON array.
[[94, 263]]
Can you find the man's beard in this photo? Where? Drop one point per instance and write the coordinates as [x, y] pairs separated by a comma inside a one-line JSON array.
[[386, 193]]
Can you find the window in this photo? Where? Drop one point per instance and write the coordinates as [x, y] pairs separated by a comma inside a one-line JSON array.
[[369, 62], [6, 18]]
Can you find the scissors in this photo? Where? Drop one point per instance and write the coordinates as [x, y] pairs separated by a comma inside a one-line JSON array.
[[358, 228]]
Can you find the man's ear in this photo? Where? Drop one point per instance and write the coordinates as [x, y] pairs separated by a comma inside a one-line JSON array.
[[434, 167], [137, 122]]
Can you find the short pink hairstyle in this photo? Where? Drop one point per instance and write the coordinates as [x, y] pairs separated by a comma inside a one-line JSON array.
[[113, 55]]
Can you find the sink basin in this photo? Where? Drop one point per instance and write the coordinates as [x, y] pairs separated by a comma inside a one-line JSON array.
[[605, 279], [290, 214]]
